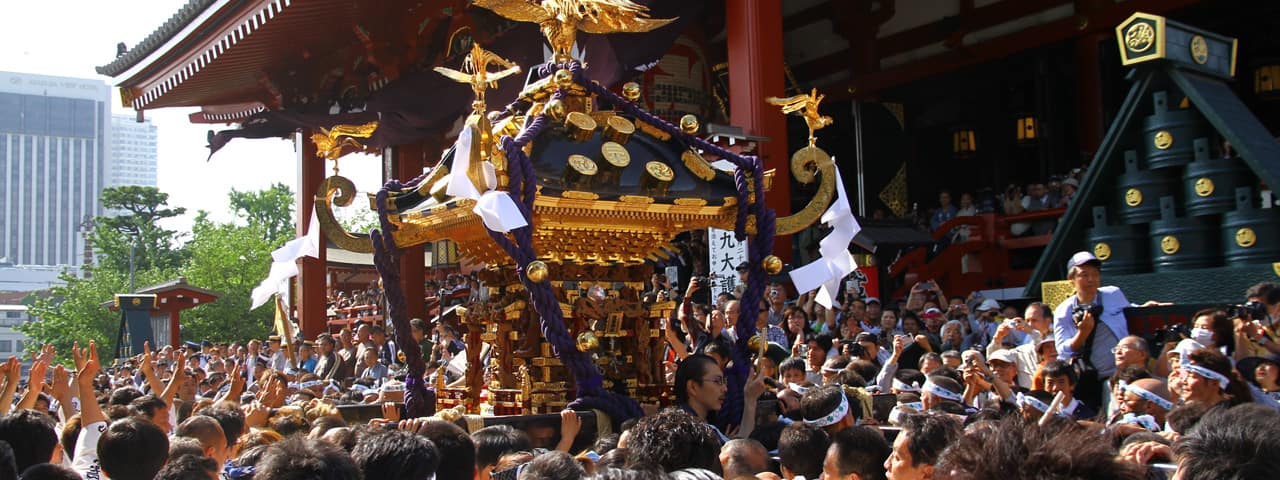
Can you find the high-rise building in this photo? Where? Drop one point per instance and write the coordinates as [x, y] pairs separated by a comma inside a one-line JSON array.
[[133, 152], [53, 165]]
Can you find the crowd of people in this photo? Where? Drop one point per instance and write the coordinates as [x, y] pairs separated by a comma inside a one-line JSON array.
[[929, 387], [1016, 199]]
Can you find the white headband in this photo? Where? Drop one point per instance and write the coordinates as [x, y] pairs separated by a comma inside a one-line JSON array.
[[835, 415], [1145, 421], [798, 388], [936, 389], [1146, 395], [903, 387], [1209, 374], [1033, 402]]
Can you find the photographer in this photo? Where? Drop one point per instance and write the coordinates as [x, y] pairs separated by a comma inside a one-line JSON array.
[[1255, 321], [1087, 326]]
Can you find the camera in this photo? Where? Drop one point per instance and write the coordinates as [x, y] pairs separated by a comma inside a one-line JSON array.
[[1248, 311], [1078, 311], [1172, 333], [853, 348]]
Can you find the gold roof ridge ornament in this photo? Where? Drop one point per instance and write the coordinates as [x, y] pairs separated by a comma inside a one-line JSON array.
[[330, 141], [808, 161], [560, 20], [475, 72]]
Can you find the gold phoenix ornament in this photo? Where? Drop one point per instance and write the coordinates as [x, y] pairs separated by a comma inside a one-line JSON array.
[[560, 20], [480, 78]]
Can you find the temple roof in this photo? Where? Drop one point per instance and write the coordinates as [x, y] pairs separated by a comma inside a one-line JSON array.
[[157, 38]]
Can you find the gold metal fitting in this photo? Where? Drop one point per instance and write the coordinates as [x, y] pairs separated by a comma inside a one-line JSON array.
[[579, 126], [587, 341], [631, 91], [771, 264], [563, 78], [618, 129], [556, 110], [689, 124], [657, 178], [616, 158], [757, 343], [579, 172], [536, 271]]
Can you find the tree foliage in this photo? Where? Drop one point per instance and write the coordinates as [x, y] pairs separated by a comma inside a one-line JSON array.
[[153, 247], [230, 258], [270, 209]]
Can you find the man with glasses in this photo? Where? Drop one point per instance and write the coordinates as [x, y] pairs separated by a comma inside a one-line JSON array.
[[701, 387]]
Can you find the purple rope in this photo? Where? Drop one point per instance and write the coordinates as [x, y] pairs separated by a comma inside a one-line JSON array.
[[418, 400], [760, 246]]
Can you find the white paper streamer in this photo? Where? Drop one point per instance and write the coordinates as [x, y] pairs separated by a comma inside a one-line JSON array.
[[836, 262], [284, 263], [459, 185]]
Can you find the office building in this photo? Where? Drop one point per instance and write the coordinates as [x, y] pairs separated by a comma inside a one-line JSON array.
[[53, 165], [133, 152]]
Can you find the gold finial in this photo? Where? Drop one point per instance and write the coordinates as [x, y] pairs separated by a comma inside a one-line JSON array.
[[329, 141], [536, 271], [772, 265], [631, 91], [479, 77], [689, 124], [560, 20], [808, 106], [556, 110]]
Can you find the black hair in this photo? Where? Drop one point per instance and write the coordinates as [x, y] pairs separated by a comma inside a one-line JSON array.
[[1016, 448], [1222, 327], [8, 464], [1237, 391], [1060, 368], [910, 376], [819, 402], [396, 454], [180, 446], [1240, 442], [147, 405], [824, 342], [798, 447], [1186, 416], [605, 443], [849, 378], [553, 465], [375, 328], [743, 457], [300, 458], [1129, 374], [123, 396], [720, 347], [616, 458], [132, 449], [31, 436], [614, 473], [672, 440], [1265, 292], [946, 383], [929, 356], [1044, 309], [49, 471], [288, 425], [202, 428], [495, 441], [792, 363], [230, 418], [862, 450], [70, 435], [457, 450], [928, 434], [691, 369], [420, 325], [188, 467], [865, 369]]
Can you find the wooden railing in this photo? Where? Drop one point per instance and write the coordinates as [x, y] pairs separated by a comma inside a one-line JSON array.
[[981, 261]]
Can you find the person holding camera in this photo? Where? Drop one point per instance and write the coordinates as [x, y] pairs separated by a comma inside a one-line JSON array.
[[1255, 321], [1087, 325]]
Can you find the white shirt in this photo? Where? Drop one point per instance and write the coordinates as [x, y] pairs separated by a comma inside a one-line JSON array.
[[86, 461]]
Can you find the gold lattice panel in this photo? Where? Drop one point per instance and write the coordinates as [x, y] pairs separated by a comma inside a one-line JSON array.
[[1054, 293]]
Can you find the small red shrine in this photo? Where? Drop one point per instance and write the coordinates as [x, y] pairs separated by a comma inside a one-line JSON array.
[[171, 298]]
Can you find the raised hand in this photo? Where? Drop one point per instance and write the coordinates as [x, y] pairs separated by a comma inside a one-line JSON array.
[[61, 382], [389, 412]]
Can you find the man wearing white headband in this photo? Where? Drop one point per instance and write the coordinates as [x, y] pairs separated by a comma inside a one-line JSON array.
[[827, 407], [1206, 377], [1147, 396], [938, 390]]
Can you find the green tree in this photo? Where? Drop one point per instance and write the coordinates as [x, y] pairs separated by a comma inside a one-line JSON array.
[[153, 247], [230, 259], [270, 209], [75, 312]]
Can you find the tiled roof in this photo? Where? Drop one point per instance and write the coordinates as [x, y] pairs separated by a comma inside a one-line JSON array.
[[167, 30]]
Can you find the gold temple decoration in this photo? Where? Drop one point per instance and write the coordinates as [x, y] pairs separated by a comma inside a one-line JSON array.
[[476, 73], [330, 141], [807, 161], [1102, 250], [560, 20], [1246, 237], [772, 265], [536, 271]]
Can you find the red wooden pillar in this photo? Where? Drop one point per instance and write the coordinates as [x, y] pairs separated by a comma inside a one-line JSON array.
[[754, 30], [311, 271], [175, 338], [1089, 96], [409, 160]]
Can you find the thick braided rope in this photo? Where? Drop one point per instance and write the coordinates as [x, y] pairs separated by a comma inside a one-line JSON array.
[[418, 400], [761, 244]]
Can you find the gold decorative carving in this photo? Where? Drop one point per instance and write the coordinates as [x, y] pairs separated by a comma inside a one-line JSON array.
[[1139, 37], [1133, 197], [615, 155], [1204, 187], [1246, 237], [636, 199], [330, 141], [1170, 245], [579, 126], [689, 124], [1199, 50], [689, 202], [560, 20], [1102, 251], [577, 195], [698, 165], [631, 91], [1162, 140], [338, 191], [618, 129], [807, 106], [804, 164], [1054, 293]]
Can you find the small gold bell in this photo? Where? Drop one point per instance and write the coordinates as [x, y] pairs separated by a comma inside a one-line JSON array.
[[587, 341], [536, 271], [689, 124], [631, 91], [772, 265]]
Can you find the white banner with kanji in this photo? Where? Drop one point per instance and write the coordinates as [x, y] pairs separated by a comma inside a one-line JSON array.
[[726, 253]]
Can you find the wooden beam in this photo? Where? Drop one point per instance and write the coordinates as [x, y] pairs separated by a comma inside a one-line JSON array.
[[976, 19], [1022, 40], [813, 14]]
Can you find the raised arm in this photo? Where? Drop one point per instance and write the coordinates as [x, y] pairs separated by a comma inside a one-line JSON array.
[[35, 379], [87, 365], [148, 369], [12, 373]]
